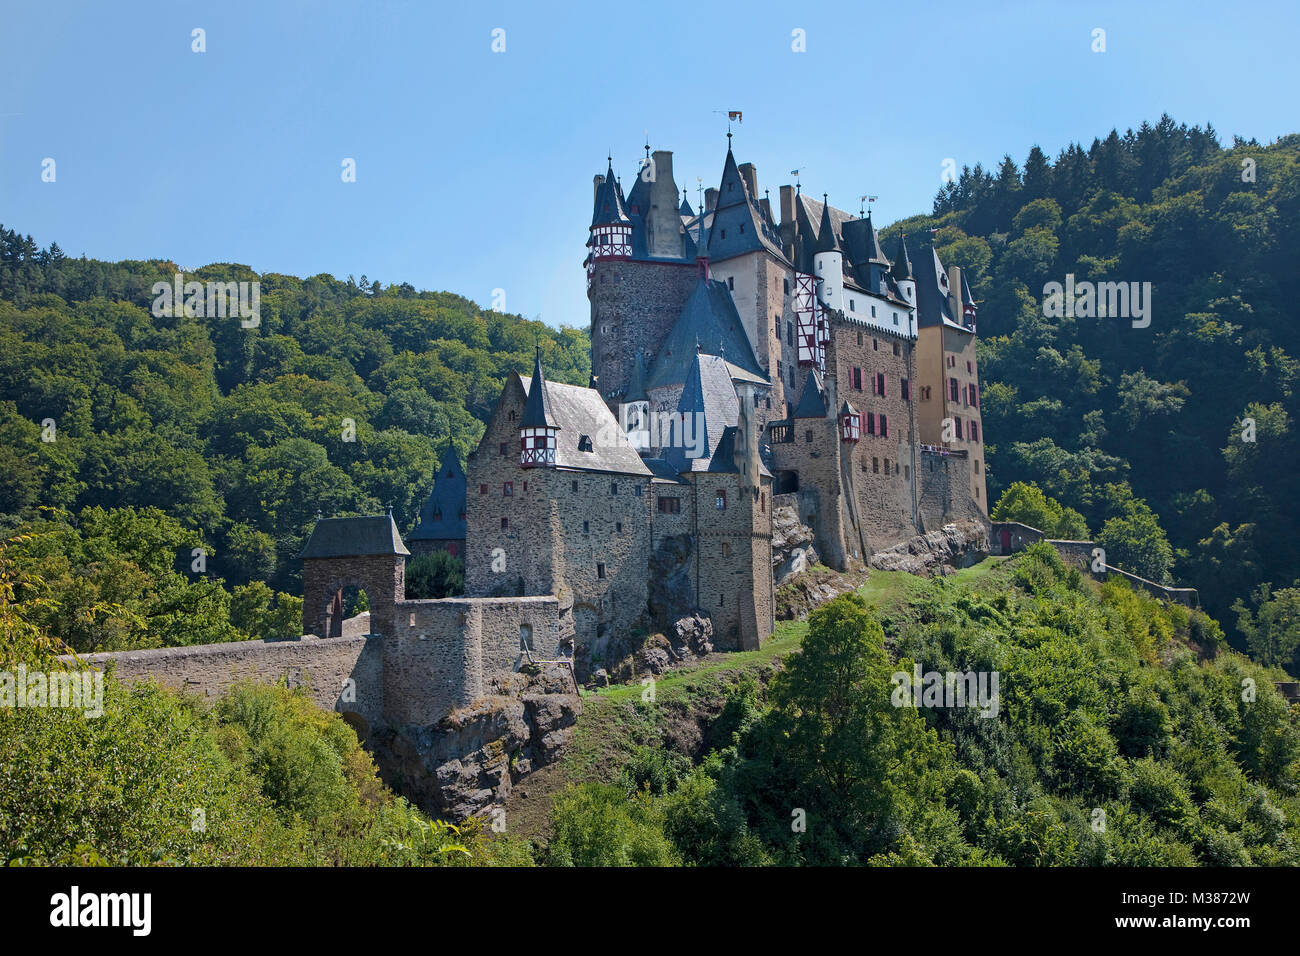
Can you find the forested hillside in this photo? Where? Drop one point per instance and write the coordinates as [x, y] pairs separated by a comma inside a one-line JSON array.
[[1103, 416], [1174, 444], [234, 438]]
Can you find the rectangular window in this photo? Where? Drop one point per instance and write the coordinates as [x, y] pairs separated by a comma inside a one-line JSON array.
[[975, 432], [786, 284], [807, 436], [731, 280], [508, 489], [875, 345], [875, 466], [957, 426], [720, 500], [613, 487], [871, 423], [970, 368], [975, 395], [884, 425], [726, 549], [505, 524], [504, 449], [907, 473], [586, 527], [618, 527], [886, 467], [857, 379], [482, 489], [883, 390], [952, 389], [670, 506], [600, 570], [636, 490], [907, 390], [977, 466], [789, 334], [575, 486]]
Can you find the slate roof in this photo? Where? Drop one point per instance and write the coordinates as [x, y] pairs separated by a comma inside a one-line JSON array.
[[812, 403], [442, 515], [609, 207], [932, 306], [708, 322], [902, 268], [635, 390], [580, 412], [710, 397], [685, 208], [827, 240], [537, 410], [739, 215], [354, 537]]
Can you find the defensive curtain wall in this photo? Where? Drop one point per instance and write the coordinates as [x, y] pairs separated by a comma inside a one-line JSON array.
[[420, 661]]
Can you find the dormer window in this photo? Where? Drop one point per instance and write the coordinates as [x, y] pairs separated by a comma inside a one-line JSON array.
[[584, 443]]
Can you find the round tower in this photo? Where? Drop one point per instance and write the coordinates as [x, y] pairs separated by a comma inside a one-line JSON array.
[[828, 262]]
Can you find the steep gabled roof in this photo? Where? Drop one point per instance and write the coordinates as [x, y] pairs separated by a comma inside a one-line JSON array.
[[738, 224], [537, 410], [581, 413], [443, 513], [354, 537], [812, 403], [609, 209], [709, 403], [710, 323], [932, 305], [827, 240], [685, 208], [635, 391], [902, 268]]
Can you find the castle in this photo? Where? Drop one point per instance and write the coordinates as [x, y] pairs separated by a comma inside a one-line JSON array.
[[740, 365]]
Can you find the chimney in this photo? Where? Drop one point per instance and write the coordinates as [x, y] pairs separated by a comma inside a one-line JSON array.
[[750, 175], [663, 224], [766, 205], [710, 199], [787, 205], [596, 182]]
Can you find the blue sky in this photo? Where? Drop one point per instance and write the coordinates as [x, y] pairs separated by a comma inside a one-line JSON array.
[[474, 168]]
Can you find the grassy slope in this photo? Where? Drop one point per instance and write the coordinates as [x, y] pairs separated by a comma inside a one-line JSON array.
[[615, 721]]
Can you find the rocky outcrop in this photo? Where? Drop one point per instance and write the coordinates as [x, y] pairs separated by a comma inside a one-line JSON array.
[[803, 592], [957, 545], [792, 544], [690, 636], [671, 587], [468, 762]]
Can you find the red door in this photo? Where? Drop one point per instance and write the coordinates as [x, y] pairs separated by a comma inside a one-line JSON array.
[[1006, 541]]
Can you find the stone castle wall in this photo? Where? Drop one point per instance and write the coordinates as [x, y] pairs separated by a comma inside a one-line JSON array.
[[446, 653], [325, 665]]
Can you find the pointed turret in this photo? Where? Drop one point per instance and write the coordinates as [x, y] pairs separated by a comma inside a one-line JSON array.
[[828, 262], [967, 303], [685, 208], [850, 423], [827, 241], [902, 262], [611, 229], [902, 272], [537, 427]]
